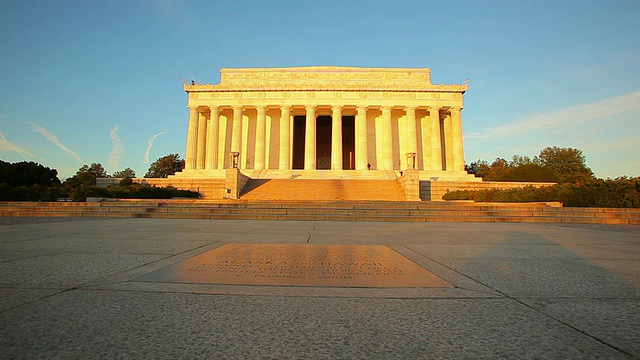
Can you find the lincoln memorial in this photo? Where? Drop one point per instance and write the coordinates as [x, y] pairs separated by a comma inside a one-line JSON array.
[[325, 122]]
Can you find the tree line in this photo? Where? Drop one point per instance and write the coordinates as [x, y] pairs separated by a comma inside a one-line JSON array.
[[574, 184], [553, 164], [30, 181]]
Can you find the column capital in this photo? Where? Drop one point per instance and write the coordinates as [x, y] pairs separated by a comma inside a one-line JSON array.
[[386, 108], [285, 107], [456, 109], [214, 107], [310, 108], [192, 108], [261, 108], [362, 108], [434, 108], [336, 107], [410, 108]]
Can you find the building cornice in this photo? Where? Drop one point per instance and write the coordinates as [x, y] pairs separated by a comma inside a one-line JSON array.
[[326, 78]]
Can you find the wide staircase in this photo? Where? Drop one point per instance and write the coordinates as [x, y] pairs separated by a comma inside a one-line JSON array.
[[324, 210], [321, 190]]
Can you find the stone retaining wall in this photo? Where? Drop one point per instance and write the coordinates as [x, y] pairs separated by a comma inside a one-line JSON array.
[[434, 190]]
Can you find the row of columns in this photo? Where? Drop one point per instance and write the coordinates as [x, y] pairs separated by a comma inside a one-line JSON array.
[[203, 135]]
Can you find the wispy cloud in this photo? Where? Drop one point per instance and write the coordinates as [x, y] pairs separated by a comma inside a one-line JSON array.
[[567, 117], [49, 136], [117, 150], [172, 11], [150, 144], [628, 143], [7, 145]]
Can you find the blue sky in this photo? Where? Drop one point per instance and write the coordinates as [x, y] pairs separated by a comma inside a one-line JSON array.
[[97, 81]]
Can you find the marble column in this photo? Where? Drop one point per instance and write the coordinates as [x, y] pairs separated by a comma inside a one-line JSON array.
[[236, 132], [456, 140], [436, 143], [387, 139], [192, 141], [285, 138], [425, 141], [212, 138], [310, 139], [202, 141], [260, 137], [336, 138], [362, 158], [412, 135], [448, 142]]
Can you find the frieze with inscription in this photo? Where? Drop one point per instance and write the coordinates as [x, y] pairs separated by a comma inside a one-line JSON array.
[[326, 78]]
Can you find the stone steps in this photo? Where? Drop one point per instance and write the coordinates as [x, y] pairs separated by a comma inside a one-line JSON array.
[[322, 190], [325, 211], [321, 174]]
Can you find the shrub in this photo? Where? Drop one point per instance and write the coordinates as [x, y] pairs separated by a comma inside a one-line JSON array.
[[621, 193], [134, 191]]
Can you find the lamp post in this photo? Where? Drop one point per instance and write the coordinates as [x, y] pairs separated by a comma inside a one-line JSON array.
[[411, 161], [233, 159]]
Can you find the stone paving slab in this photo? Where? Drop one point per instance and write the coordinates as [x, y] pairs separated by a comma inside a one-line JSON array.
[[103, 244], [63, 271], [115, 324], [301, 291], [69, 290], [613, 320], [545, 278], [14, 297]]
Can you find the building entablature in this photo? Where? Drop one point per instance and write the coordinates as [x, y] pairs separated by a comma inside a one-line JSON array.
[[326, 78], [324, 109], [319, 98]]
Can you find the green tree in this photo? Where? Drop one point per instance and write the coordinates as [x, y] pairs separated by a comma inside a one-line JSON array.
[[518, 160], [493, 171], [568, 163], [530, 172], [497, 169], [27, 174], [165, 166], [126, 173], [86, 176], [479, 168]]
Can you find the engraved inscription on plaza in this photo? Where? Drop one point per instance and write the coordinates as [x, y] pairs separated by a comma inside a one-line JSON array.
[[322, 262], [299, 265]]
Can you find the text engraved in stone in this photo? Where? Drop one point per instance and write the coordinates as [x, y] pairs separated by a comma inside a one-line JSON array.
[[300, 265]]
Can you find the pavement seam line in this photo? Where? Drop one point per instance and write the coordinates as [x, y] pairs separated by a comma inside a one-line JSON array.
[[583, 332], [455, 286], [284, 296], [38, 299], [91, 283]]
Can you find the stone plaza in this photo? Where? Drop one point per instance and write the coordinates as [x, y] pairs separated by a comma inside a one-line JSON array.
[[123, 288]]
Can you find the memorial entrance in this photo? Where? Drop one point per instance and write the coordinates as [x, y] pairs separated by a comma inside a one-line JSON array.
[[300, 265], [324, 142]]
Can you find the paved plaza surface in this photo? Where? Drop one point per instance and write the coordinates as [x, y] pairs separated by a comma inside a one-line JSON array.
[[84, 288]]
